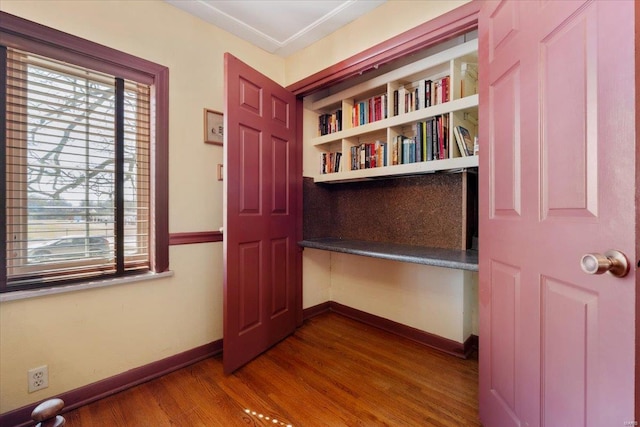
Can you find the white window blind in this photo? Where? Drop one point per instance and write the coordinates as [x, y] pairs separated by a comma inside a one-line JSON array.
[[77, 173]]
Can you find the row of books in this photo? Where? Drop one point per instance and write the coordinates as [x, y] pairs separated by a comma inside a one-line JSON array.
[[420, 95], [330, 123], [430, 142], [415, 96], [370, 110], [330, 162], [369, 155]]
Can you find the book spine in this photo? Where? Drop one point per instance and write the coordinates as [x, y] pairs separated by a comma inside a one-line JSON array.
[[434, 138], [395, 102], [385, 154], [429, 126], [445, 89], [427, 93], [423, 128], [354, 155], [385, 106], [418, 142]]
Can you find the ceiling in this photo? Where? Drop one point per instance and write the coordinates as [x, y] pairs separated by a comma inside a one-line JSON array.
[[281, 27]]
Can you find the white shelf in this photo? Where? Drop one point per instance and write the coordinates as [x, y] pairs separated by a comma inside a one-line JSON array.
[[451, 165]]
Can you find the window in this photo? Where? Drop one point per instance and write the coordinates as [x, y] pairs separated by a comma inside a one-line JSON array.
[[84, 159]]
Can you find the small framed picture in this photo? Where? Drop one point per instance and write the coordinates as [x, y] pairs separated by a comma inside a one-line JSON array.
[[213, 127]]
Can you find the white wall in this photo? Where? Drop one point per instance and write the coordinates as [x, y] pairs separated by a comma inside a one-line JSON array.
[[423, 297]]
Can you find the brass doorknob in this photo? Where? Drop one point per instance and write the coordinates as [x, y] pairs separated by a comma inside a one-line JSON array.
[[612, 261]]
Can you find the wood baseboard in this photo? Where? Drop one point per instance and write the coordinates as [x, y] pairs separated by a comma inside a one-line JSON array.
[[462, 350], [101, 389], [310, 312]]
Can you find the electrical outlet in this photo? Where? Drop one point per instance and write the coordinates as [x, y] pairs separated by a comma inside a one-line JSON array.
[[38, 378]]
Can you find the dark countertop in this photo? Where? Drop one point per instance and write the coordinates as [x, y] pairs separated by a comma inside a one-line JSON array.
[[448, 258]]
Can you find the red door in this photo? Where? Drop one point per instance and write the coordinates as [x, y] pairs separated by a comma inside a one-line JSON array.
[[558, 153], [260, 215]]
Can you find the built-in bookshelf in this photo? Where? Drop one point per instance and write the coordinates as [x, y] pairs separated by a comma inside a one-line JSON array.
[[418, 118]]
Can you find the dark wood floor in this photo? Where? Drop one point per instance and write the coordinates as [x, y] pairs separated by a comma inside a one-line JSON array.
[[332, 372]]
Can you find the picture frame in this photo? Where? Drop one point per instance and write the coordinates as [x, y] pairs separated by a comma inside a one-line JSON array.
[[213, 127]]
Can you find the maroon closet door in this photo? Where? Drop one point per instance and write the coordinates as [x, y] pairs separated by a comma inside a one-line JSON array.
[[260, 214]]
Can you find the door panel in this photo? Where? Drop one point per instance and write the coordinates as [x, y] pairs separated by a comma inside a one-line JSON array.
[[280, 191], [260, 223], [250, 185], [569, 323], [249, 315], [557, 181], [506, 173], [568, 187], [504, 290]]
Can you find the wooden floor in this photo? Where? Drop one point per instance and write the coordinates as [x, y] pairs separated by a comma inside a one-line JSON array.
[[332, 372]]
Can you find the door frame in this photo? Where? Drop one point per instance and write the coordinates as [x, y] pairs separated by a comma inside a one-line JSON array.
[[444, 27]]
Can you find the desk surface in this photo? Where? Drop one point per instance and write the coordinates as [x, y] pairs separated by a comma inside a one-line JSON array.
[[447, 258]]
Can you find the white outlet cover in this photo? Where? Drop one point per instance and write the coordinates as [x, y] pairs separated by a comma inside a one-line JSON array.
[[38, 378]]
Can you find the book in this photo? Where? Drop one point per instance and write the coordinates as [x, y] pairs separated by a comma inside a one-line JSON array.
[[429, 138], [439, 138], [419, 138], [427, 93], [466, 137], [445, 89], [425, 153], [380, 153], [445, 135], [355, 161], [395, 102], [394, 151], [460, 142], [385, 106], [385, 154], [398, 142]]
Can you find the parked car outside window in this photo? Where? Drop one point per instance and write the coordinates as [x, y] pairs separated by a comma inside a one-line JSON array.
[[71, 248]]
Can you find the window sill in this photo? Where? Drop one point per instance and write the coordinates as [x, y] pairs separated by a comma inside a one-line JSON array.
[[34, 293]]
